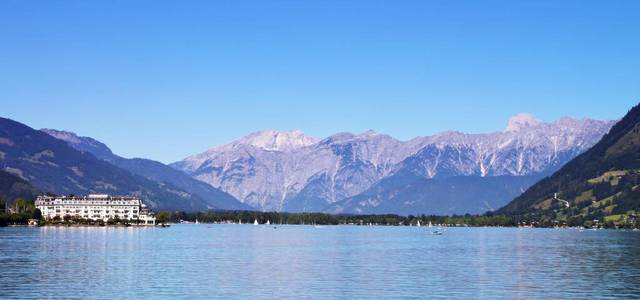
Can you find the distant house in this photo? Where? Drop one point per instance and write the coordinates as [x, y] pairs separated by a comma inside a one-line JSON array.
[[95, 207]]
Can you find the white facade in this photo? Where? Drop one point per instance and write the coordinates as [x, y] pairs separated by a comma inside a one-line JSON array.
[[95, 207]]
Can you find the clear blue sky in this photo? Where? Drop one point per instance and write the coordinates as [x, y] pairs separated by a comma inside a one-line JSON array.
[[166, 79]]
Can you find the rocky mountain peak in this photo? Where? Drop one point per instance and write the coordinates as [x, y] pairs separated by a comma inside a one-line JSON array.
[[369, 132], [82, 143], [274, 140], [521, 121], [66, 136]]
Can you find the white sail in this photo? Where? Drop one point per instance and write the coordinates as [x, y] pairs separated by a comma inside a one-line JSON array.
[[268, 223], [255, 222], [418, 223]]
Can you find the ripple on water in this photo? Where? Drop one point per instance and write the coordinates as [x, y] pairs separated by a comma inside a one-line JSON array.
[[236, 261]]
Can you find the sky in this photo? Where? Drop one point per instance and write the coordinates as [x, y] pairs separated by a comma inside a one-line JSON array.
[[168, 79]]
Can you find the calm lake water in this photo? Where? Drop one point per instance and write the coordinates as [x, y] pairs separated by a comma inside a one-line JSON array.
[[246, 261]]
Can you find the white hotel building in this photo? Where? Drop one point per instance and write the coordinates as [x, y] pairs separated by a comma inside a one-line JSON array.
[[95, 207]]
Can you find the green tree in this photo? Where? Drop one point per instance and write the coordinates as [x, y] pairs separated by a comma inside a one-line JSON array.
[[36, 214], [20, 205], [162, 217]]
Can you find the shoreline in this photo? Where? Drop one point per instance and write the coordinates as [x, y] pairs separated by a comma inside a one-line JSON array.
[[88, 225], [435, 227]]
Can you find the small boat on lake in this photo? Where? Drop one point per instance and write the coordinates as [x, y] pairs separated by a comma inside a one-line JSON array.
[[437, 232], [255, 222]]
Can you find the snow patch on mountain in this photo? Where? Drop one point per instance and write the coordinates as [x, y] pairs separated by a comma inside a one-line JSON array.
[[275, 170], [520, 121], [273, 140]]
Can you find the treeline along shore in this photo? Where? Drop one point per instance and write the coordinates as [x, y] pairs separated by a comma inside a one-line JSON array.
[[21, 212], [248, 217]]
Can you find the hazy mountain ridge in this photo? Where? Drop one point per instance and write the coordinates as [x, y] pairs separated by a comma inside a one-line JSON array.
[[51, 165], [151, 170], [406, 195], [314, 175]]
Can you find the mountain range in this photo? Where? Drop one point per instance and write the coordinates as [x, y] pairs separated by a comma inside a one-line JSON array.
[[151, 170], [446, 173], [51, 165], [600, 184]]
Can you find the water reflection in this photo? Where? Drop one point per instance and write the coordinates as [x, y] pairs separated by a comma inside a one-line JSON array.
[[223, 261]]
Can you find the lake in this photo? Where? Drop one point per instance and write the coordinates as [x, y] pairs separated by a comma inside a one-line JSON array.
[[292, 262]]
